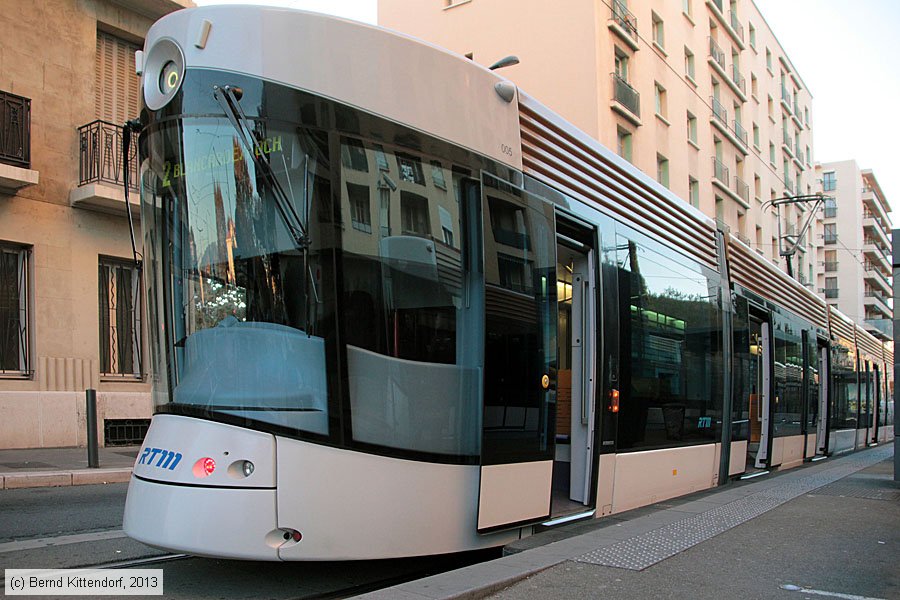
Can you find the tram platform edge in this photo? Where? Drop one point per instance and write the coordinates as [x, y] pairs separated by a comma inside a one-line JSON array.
[[632, 542]]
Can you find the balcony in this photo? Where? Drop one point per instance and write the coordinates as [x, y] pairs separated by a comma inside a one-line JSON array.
[[874, 203], [719, 112], [788, 185], [624, 24], [718, 56], [875, 254], [786, 98], [720, 171], [830, 266], [739, 82], [873, 229], [740, 132], [100, 185], [788, 143], [15, 143], [730, 24], [626, 100], [877, 280], [883, 329], [830, 239], [742, 189], [831, 293], [880, 301]]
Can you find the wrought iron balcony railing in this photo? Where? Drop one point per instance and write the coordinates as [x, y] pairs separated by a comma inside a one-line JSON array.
[[738, 79], [717, 53], [739, 131], [719, 111], [15, 130], [720, 171], [831, 238], [736, 25], [786, 96], [626, 95], [742, 189], [831, 292], [831, 266], [625, 19], [100, 147]]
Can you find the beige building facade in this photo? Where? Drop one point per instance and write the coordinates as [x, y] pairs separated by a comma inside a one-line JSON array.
[[700, 95], [855, 255], [70, 308]]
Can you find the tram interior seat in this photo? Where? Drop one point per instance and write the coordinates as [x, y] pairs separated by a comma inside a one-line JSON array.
[[264, 371]]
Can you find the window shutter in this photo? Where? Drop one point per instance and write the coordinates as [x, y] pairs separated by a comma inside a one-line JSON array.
[[117, 87]]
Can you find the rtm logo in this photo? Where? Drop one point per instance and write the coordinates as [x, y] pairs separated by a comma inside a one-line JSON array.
[[165, 459], [704, 422]]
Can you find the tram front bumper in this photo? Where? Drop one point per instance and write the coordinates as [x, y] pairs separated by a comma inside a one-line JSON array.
[[203, 521]]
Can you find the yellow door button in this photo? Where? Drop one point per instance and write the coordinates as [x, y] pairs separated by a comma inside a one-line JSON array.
[[545, 381]]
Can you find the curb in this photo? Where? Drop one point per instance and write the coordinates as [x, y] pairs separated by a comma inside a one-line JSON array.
[[34, 479]]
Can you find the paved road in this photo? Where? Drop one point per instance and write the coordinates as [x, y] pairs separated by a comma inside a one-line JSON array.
[[81, 526], [834, 540]]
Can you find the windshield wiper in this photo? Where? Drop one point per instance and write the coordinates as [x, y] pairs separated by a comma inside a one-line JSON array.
[[229, 98]]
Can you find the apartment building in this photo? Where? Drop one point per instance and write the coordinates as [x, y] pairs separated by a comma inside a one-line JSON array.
[[70, 310], [698, 94], [855, 255]]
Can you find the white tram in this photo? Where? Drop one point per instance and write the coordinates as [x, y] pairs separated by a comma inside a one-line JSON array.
[[398, 307]]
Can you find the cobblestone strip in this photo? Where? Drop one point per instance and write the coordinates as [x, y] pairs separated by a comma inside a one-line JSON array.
[[643, 551]]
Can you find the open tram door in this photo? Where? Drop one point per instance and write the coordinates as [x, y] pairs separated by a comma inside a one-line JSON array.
[[573, 488]]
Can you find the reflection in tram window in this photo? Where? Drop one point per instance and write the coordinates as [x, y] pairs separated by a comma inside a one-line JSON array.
[[671, 347], [844, 393], [520, 327], [412, 385], [787, 404]]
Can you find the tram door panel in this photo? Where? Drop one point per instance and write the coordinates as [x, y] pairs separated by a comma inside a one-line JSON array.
[[824, 379], [520, 320], [576, 293], [761, 378]]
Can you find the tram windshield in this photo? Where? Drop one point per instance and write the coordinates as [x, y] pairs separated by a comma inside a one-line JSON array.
[[306, 274]]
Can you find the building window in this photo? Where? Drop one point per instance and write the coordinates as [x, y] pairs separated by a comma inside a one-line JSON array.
[[410, 169], [694, 192], [621, 65], [757, 188], [692, 128], [353, 155], [808, 156], [120, 319], [752, 31], [437, 175], [623, 144], [829, 181], [771, 108], [831, 287], [659, 36], [830, 208], [689, 67], [772, 154], [756, 136], [117, 89], [384, 213], [381, 158], [831, 264], [831, 233], [754, 86], [759, 238], [660, 95], [687, 9], [662, 169], [806, 116], [360, 212], [14, 310], [414, 215], [769, 60]]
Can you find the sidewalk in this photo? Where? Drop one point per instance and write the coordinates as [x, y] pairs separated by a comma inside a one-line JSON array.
[[831, 528], [52, 467]]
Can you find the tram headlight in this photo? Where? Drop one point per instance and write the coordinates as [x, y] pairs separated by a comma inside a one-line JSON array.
[[247, 468], [163, 73]]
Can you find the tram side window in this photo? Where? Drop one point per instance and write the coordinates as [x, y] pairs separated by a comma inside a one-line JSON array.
[[743, 370], [671, 361], [814, 382], [788, 376], [411, 384], [844, 392]]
